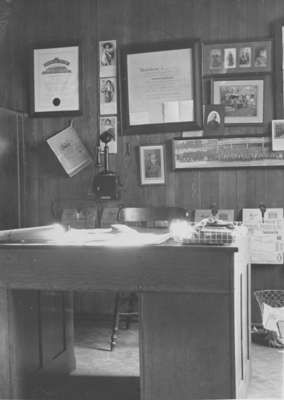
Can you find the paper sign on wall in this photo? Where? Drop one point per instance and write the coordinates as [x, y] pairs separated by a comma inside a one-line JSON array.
[[70, 151]]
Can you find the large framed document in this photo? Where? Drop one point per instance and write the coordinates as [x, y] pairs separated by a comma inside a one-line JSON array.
[[161, 87], [55, 81]]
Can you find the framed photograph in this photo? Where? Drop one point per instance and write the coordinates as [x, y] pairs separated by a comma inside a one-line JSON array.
[[109, 124], [242, 99], [237, 57], [224, 153], [277, 132], [108, 58], [55, 81], [230, 58], [161, 87], [108, 96], [214, 120], [152, 165], [279, 69]]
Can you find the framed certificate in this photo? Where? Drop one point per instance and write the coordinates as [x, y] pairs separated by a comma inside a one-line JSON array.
[[161, 87], [55, 81]]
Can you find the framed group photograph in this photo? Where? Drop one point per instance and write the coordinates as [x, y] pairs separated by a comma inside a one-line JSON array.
[[213, 124], [161, 87], [55, 81], [242, 99], [238, 57], [152, 165], [224, 153]]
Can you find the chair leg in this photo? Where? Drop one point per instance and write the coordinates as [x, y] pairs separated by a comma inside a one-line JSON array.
[[130, 310], [115, 324]]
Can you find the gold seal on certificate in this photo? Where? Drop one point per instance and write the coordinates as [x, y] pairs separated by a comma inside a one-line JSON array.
[[56, 101], [56, 80]]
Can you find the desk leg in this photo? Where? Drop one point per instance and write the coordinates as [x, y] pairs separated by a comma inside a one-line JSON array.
[[186, 346]]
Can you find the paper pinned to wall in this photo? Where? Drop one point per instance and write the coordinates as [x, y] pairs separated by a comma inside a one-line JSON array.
[[70, 151], [266, 235]]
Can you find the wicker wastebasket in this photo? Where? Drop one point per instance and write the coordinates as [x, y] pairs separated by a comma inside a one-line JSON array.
[[273, 298]]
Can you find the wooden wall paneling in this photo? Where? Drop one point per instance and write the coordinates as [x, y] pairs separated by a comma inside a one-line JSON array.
[[209, 187], [187, 189], [8, 169], [274, 187], [260, 186], [241, 190], [227, 188]]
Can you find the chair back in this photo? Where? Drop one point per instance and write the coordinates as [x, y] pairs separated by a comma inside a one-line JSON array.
[[150, 216]]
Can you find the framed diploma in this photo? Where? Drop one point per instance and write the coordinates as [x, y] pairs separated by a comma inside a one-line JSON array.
[[161, 87], [55, 81]]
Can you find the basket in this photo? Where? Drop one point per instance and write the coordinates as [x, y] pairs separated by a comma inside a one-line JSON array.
[[273, 298], [211, 236]]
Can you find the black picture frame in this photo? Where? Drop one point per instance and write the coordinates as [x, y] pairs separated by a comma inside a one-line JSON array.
[[179, 56], [214, 115], [251, 56], [55, 80]]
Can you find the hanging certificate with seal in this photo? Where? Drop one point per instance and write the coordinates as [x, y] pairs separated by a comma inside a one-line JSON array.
[[56, 81]]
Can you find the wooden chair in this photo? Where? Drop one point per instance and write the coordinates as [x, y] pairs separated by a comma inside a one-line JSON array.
[[150, 217]]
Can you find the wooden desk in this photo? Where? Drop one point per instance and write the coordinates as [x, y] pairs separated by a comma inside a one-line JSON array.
[[194, 310]]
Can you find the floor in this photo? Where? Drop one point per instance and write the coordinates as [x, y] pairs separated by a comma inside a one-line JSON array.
[[267, 373], [104, 375]]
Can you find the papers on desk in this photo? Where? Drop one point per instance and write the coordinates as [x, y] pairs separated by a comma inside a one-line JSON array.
[[56, 234], [118, 235], [266, 235]]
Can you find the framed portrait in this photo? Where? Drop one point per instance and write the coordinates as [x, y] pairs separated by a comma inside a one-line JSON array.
[[161, 87], [237, 57], [108, 96], [108, 58], [242, 99], [230, 152], [279, 68], [230, 58], [152, 165], [277, 132], [55, 81], [214, 120], [108, 124]]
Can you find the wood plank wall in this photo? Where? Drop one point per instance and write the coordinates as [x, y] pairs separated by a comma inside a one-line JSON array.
[[132, 21]]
